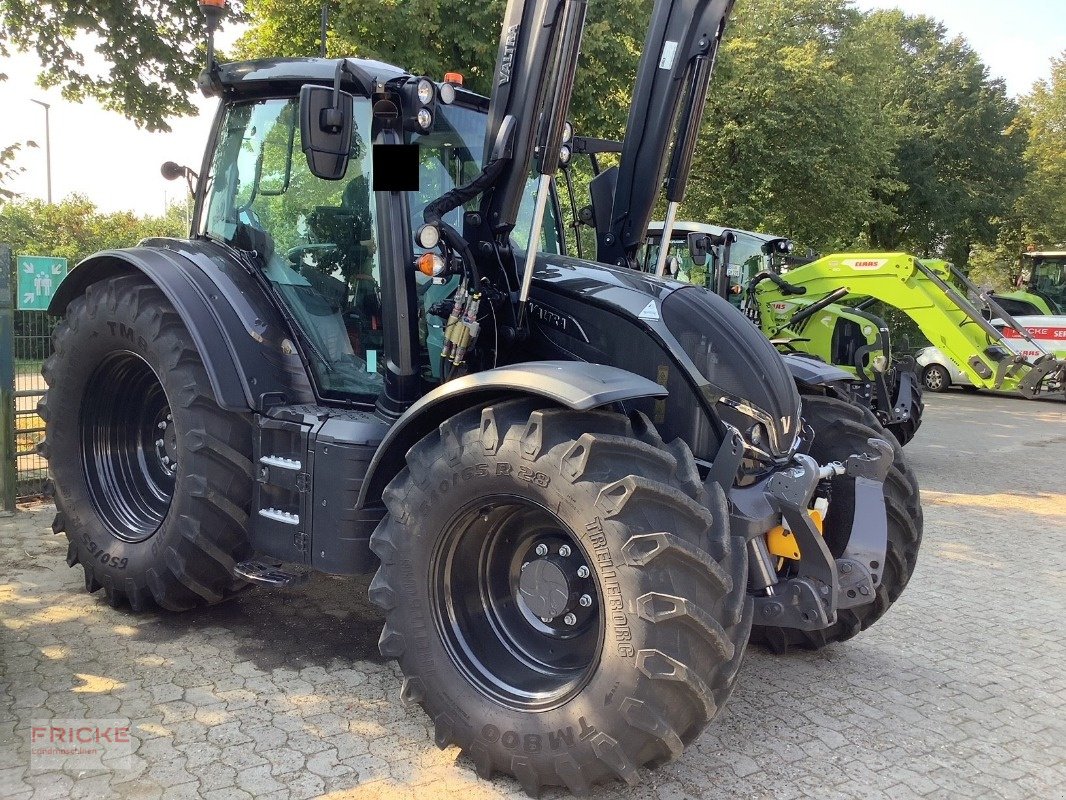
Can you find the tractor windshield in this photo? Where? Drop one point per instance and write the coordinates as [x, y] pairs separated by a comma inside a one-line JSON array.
[[315, 239], [746, 258], [1048, 280]]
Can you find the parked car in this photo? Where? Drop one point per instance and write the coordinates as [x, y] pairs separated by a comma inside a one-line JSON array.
[[939, 373]]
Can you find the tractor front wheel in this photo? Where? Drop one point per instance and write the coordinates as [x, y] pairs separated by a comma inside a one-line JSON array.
[[840, 430], [563, 595]]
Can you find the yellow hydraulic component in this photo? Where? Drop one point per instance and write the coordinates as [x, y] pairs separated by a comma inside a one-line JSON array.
[[781, 543]]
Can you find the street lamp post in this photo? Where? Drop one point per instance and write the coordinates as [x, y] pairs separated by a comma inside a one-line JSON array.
[[47, 145]]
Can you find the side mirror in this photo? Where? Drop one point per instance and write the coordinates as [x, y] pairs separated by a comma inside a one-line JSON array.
[[172, 171], [327, 117], [699, 244]]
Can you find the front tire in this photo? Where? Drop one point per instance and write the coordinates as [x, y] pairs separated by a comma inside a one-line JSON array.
[[486, 645], [840, 430], [152, 480]]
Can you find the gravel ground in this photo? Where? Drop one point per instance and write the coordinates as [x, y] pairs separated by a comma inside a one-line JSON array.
[[958, 692]]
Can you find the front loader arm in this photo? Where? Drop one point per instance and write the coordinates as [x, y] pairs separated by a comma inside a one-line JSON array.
[[947, 318], [675, 68]]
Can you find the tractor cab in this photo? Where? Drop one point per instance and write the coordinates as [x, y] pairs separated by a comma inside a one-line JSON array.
[[1047, 278], [699, 250], [319, 241]]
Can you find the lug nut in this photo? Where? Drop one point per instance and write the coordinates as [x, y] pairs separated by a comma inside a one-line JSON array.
[[546, 620], [564, 551], [570, 619], [158, 442], [542, 549], [162, 426], [582, 571], [585, 601]]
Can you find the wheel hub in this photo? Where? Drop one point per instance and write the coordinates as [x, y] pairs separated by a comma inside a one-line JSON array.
[[544, 588]]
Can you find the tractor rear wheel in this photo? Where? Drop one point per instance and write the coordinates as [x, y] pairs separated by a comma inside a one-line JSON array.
[[152, 479], [563, 595], [841, 429]]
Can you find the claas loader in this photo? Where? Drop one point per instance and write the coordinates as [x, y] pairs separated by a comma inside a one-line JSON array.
[[580, 489]]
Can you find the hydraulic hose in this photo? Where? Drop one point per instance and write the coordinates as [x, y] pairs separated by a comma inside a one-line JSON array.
[[785, 286]]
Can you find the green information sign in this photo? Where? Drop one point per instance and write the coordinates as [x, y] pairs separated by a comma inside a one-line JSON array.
[[39, 277]]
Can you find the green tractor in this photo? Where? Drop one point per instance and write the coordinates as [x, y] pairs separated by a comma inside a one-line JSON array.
[[580, 488], [1041, 285]]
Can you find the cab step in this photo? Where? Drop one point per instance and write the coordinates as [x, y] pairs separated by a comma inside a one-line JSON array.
[[274, 576]]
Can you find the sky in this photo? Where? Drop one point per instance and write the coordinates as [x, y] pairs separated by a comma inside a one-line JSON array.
[[106, 157]]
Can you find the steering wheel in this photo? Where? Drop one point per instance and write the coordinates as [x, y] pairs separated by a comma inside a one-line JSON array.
[[295, 255]]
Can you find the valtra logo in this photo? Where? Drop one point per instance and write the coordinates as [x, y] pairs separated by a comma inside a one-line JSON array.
[[507, 62]]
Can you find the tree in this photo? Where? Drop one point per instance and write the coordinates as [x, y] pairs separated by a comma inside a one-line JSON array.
[[959, 155], [1041, 208], [431, 38], [75, 229], [153, 50], [790, 141]]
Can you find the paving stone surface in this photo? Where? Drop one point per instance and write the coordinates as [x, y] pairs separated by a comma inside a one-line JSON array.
[[958, 692]]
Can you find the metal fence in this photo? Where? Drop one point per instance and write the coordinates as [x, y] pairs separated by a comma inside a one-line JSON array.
[[32, 344], [25, 342]]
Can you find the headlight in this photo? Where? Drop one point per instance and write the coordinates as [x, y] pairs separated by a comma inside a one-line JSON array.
[[424, 119], [424, 92], [757, 434], [428, 236]]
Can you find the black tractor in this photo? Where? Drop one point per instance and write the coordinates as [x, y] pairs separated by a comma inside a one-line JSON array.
[[580, 486]]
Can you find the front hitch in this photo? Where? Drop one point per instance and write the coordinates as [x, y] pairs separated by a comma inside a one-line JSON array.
[[819, 584]]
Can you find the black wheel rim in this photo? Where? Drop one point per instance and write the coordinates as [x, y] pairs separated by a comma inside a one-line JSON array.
[[129, 446], [528, 640]]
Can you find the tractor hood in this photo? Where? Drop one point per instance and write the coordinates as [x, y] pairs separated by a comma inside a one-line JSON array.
[[716, 364]]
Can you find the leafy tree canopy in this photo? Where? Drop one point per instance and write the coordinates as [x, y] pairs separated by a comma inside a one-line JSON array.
[[153, 50], [75, 229]]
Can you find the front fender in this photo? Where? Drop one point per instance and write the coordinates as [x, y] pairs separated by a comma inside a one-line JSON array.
[[813, 372], [572, 384]]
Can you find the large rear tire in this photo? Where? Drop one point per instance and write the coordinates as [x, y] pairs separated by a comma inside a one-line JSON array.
[[563, 595], [841, 429], [152, 480]]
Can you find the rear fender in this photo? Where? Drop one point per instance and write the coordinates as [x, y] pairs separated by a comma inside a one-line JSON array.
[[240, 335], [571, 384]]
